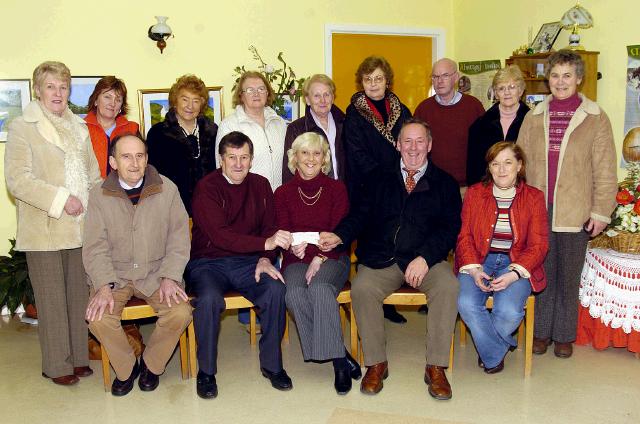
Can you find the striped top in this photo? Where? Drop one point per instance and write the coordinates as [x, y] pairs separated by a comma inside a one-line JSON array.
[[560, 114], [502, 234]]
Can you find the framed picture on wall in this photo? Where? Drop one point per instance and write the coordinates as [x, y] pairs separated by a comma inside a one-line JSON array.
[[154, 105], [289, 110], [546, 37], [15, 95], [81, 89]]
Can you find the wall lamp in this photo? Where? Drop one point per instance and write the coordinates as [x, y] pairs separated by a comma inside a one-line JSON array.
[[160, 32]]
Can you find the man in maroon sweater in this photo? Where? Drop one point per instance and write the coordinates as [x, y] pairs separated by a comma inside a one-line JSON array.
[[449, 113], [233, 248]]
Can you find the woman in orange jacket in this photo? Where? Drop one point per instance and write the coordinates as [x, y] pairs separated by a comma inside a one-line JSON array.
[[107, 118], [500, 251]]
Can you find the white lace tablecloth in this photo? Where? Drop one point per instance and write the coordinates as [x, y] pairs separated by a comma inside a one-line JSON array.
[[610, 288]]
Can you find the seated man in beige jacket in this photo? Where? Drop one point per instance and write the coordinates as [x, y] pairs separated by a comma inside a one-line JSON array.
[[136, 243]]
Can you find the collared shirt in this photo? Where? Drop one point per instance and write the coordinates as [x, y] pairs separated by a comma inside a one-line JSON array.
[[228, 179], [331, 134], [456, 98], [417, 175], [127, 186]]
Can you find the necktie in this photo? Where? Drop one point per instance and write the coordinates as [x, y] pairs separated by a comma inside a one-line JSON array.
[[410, 183]]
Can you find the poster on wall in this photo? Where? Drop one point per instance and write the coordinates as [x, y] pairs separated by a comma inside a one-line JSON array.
[[631, 144], [476, 78]]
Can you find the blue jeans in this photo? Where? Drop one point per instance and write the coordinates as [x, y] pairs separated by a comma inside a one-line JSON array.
[[493, 331]]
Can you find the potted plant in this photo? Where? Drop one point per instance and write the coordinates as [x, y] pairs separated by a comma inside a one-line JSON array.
[[15, 285]]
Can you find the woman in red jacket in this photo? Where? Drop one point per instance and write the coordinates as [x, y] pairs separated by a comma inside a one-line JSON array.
[[312, 202], [107, 118], [500, 251]]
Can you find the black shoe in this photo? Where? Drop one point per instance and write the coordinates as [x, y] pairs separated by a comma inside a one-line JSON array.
[[392, 315], [121, 388], [424, 309], [206, 386], [343, 380], [148, 381], [480, 363], [495, 369], [354, 366], [279, 380]]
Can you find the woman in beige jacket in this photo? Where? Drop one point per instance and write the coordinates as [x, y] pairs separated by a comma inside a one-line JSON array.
[[568, 143], [49, 168]]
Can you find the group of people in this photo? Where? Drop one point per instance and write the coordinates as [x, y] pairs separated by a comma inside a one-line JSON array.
[[94, 198]]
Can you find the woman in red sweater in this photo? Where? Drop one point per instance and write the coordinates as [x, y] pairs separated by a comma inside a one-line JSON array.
[[501, 247], [313, 202]]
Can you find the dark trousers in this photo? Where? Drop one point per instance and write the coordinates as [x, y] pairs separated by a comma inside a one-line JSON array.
[[556, 309], [209, 279]]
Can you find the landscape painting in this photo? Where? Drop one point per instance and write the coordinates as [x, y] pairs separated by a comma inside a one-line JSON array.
[[15, 95], [154, 105], [81, 89]]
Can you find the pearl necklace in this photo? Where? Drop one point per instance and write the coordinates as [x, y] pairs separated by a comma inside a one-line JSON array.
[[313, 199]]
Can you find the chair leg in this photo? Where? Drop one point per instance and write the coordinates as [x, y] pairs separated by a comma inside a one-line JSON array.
[[354, 333], [106, 372], [529, 318], [463, 333], [451, 354], [252, 326], [521, 334], [285, 337], [184, 361], [191, 340], [343, 317]]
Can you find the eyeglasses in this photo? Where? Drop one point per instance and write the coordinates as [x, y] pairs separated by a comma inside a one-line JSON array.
[[442, 76], [378, 79], [251, 90], [503, 88]]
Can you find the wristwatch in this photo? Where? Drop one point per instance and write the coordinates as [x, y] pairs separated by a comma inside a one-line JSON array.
[[322, 257]]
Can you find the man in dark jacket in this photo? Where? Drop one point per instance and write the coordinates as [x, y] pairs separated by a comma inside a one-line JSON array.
[[406, 223]]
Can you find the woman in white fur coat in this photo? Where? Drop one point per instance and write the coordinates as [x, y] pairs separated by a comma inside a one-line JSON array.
[[49, 168]]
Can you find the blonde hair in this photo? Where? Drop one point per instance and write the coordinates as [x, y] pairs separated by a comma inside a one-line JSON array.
[[509, 73], [319, 78], [309, 140], [56, 69], [193, 85]]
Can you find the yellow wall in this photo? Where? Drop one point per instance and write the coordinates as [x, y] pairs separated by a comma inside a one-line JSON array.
[[211, 38], [492, 29]]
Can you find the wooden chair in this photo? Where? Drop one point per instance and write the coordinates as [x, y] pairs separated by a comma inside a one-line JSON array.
[[524, 331], [138, 309], [407, 295], [232, 300]]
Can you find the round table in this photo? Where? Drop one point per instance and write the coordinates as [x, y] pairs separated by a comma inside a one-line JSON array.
[[609, 313]]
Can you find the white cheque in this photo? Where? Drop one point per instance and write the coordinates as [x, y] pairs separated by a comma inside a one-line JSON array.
[[305, 237]]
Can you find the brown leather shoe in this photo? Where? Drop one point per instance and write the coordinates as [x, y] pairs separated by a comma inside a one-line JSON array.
[[64, 380], [82, 371], [563, 350], [372, 380], [439, 386], [540, 345]]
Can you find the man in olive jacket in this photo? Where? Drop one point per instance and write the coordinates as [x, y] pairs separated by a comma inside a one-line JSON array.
[[136, 243], [406, 223]]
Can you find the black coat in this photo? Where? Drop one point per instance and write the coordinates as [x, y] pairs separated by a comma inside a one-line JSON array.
[[308, 124], [368, 151], [175, 158], [484, 133], [395, 227]]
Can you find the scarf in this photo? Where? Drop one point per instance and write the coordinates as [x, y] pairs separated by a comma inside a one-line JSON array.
[[72, 142], [359, 101]]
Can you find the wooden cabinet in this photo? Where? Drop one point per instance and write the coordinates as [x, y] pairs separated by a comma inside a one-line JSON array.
[[531, 64]]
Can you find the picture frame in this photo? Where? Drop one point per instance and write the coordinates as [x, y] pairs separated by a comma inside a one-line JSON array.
[[546, 36], [533, 99], [15, 95], [81, 89], [290, 110], [153, 105]]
